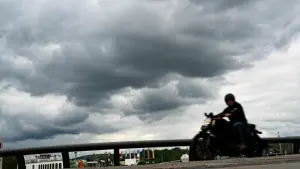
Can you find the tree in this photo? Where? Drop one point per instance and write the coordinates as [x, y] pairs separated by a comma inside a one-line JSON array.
[[9, 163]]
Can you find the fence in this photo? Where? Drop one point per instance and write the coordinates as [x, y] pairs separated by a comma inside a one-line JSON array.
[[116, 146]]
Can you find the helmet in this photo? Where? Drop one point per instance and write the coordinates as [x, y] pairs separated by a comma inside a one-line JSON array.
[[229, 96]]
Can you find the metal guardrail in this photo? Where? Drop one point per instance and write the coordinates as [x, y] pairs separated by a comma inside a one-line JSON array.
[[116, 146]]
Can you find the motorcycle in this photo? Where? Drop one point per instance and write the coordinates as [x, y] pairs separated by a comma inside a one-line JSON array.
[[217, 137]]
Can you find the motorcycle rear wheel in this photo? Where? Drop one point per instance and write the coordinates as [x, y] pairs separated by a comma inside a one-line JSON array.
[[256, 150]]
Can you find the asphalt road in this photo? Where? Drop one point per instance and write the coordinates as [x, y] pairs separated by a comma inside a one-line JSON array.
[[275, 162], [271, 166]]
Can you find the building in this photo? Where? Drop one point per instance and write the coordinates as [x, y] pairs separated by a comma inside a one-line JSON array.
[[44, 161]]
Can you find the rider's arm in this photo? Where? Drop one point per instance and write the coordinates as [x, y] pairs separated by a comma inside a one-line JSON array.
[[222, 114]]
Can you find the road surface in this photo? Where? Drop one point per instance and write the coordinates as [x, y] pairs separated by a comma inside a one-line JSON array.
[[270, 166], [275, 162]]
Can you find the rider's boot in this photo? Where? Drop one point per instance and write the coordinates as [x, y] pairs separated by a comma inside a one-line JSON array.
[[242, 144]]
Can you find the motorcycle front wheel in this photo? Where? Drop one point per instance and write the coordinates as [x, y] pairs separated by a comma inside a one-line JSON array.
[[202, 150]]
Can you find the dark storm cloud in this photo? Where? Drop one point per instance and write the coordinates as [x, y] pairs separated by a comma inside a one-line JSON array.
[[172, 96], [134, 49], [155, 103], [90, 52], [190, 89], [155, 100], [221, 5], [136, 65]]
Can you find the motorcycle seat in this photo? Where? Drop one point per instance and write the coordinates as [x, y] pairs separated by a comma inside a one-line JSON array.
[[251, 127]]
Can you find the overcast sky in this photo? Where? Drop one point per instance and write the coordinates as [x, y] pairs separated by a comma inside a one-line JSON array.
[[76, 71]]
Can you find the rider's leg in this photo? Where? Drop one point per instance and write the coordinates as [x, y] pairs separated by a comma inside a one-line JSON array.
[[240, 126]]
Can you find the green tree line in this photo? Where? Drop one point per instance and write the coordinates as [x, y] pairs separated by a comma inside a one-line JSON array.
[[164, 155], [9, 163]]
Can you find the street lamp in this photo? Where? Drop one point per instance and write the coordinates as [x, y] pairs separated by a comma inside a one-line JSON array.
[[280, 150]]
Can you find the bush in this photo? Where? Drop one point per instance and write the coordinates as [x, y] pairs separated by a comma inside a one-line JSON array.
[[142, 162]]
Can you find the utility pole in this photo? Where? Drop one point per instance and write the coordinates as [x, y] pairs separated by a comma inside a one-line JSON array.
[[280, 148], [1, 158]]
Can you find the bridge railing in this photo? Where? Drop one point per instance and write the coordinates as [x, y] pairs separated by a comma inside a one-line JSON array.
[[116, 146]]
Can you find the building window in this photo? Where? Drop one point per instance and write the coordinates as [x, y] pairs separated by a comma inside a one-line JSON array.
[[33, 166], [60, 166]]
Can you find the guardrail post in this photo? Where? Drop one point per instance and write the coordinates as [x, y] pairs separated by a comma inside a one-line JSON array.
[[66, 159], [21, 161], [116, 157], [296, 147]]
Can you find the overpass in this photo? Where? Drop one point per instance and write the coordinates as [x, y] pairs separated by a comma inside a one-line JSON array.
[[116, 146]]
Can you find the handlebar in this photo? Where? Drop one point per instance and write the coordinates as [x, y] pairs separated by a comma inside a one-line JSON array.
[[211, 115]]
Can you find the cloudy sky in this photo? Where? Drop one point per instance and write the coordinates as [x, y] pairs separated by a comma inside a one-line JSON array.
[[77, 71]]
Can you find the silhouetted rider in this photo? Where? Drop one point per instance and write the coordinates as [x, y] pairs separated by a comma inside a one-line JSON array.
[[235, 112]]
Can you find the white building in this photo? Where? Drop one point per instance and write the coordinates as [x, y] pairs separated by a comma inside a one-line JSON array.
[[132, 157], [132, 161], [44, 161], [44, 165]]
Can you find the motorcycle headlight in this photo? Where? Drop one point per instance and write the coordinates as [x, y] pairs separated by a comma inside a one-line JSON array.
[[206, 124], [204, 127], [207, 121]]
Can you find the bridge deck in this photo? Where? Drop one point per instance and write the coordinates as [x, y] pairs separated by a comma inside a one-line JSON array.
[[275, 162], [270, 166]]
